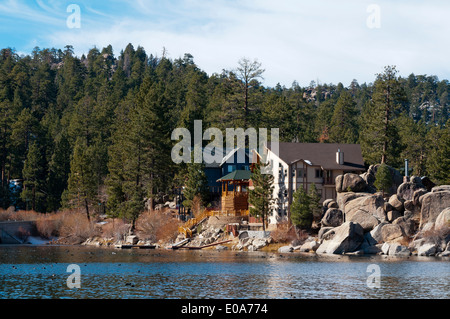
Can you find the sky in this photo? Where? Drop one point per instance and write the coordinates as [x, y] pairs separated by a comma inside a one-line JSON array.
[[326, 41]]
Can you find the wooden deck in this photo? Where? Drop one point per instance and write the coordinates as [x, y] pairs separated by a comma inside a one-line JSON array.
[[136, 246]]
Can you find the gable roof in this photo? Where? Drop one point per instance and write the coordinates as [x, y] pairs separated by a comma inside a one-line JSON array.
[[226, 154], [322, 154], [238, 175]]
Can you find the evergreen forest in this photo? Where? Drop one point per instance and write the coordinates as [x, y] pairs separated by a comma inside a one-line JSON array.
[[94, 132]]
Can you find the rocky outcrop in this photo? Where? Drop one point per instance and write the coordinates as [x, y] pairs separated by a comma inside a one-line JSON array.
[[443, 220], [372, 204], [432, 205], [345, 238], [409, 210], [350, 183], [406, 190], [333, 217]]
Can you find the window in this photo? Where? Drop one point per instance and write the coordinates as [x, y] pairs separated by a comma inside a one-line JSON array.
[[231, 168], [319, 173], [301, 173]]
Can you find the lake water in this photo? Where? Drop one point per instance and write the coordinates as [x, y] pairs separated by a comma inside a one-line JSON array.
[[30, 272]]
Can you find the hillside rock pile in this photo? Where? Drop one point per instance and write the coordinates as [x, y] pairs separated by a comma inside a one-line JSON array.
[[414, 219]]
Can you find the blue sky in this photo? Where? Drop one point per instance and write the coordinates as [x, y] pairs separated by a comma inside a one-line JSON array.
[[327, 41]]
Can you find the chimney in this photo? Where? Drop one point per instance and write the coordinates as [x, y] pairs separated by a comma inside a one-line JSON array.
[[340, 157]]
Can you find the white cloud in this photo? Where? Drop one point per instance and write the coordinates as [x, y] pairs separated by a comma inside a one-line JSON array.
[[294, 40]]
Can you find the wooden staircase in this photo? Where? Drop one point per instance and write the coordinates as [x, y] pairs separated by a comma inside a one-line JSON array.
[[189, 226]]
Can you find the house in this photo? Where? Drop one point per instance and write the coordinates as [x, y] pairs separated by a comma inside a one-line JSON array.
[[300, 165], [234, 160], [235, 187]]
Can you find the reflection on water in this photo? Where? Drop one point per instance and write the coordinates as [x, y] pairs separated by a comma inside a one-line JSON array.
[[41, 272]]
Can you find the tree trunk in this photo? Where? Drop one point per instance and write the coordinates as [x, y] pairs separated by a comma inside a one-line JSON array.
[[86, 205]]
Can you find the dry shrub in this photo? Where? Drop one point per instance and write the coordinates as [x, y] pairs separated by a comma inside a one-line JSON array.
[[435, 236], [22, 215], [116, 229], [75, 225], [157, 226], [48, 225], [71, 225], [285, 232], [197, 208]]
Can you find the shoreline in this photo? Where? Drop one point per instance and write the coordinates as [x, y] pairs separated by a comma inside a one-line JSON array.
[[271, 249]]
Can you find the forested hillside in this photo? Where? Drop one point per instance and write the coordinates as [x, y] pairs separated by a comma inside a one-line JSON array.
[[95, 131]]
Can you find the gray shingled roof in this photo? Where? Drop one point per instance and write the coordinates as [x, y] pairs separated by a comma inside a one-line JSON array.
[[323, 154]]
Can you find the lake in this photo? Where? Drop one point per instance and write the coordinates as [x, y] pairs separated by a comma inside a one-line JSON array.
[[31, 272]]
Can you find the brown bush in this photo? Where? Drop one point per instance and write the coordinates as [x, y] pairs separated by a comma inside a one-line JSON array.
[[22, 215], [286, 232], [157, 226], [116, 229], [76, 226], [48, 225], [71, 225]]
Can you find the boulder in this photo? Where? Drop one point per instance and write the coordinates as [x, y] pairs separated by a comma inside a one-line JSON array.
[[442, 188], [416, 180], [350, 183], [333, 204], [343, 198], [366, 220], [132, 240], [372, 204], [432, 205], [368, 178], [406, 190], [408, 204], [417, 196], [376, 232], [323, 231], [390, 232], [326, 202], [388, 207], [309, 246], [427, 249], [393, 215], [286, 249], [398, 250], [443, 220], [346, 238], [396, 202], [408, 226], [385, 248], [333, 218], [259, 243]]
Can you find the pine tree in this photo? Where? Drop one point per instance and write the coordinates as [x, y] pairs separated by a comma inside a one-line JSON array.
[[438, 159], [344, 127], [82, 184], [314, 201], [301, 214], [383, 179], [34, 174], [379, 137], [196, 185], [260, 198]]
